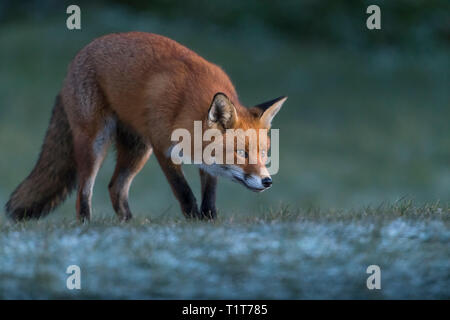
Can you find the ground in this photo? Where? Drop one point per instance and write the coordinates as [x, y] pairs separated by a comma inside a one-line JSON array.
[[283, 254]]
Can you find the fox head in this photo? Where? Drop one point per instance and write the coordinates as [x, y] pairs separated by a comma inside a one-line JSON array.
[[239, 149]]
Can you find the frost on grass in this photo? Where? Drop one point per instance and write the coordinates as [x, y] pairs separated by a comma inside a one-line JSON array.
[[281, 255]]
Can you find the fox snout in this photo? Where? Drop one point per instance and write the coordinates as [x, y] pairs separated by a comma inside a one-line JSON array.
[[256, 183], [253, 182]]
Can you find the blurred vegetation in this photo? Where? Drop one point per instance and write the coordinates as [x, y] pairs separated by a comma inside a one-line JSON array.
[[415, 24], [284, 254], [367, 115], [365, 155]]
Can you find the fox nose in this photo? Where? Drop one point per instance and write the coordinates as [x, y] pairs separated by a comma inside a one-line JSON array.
[[266, 182]]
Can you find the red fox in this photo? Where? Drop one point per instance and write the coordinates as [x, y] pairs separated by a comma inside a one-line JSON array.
[[134, 89]]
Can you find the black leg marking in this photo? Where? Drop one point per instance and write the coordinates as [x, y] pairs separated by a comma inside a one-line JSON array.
[[209, 186]]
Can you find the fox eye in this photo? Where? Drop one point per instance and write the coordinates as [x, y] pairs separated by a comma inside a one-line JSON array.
[[242, 153]]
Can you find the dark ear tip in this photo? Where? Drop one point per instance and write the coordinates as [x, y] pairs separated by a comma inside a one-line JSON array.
[[219, 95], [264, 106]]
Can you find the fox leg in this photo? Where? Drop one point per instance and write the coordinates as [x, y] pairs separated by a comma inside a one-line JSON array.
[[209, 186], [92, 124], [132, 154], [90, 150], [179, 186]]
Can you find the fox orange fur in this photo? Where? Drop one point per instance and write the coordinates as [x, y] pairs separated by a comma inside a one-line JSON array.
[[133, 89]]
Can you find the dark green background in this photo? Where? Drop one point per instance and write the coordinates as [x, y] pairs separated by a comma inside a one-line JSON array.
[[366, 124]]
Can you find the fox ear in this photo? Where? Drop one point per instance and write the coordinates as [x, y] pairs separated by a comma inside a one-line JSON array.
[[222, 112], [266, 111]]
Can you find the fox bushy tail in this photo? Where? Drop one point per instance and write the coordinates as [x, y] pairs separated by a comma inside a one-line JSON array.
[[54, 175]]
